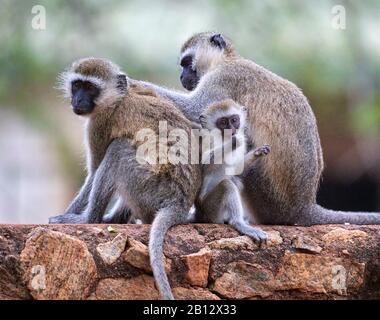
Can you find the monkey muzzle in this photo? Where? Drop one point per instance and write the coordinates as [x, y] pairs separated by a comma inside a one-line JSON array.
[[189, 79], [82, 106]]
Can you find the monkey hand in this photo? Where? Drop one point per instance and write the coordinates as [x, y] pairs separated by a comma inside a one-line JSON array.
[[262, 151], [257, 235], [255, 154]]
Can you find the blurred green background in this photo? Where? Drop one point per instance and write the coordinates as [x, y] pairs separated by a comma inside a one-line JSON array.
[[42, 162]]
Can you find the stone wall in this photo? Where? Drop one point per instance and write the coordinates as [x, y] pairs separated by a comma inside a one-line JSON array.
[[203, 261]]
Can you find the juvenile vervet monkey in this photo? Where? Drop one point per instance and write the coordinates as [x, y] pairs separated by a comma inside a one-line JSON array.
[[161, 194], [282, 188], [220, 198]]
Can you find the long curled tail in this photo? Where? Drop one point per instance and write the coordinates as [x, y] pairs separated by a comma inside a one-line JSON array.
[[322, 215], [163, 221]]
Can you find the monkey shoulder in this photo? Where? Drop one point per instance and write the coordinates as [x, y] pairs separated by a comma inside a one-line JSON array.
[[231, 76], [162, 109], [261, 74], [139, 89]]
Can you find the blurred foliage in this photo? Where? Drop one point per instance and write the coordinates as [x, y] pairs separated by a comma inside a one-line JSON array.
[[339, 70]]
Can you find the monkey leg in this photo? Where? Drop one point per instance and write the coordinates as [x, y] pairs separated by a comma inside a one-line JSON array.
[[234, 210], [92, 196], [120, 213], [224, 203], [103, 187], [209, 209], [74, 214], [80, 202]]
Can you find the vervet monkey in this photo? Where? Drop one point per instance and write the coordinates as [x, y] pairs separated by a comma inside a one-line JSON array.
[[220, 198], [281, 188], [161, 194]]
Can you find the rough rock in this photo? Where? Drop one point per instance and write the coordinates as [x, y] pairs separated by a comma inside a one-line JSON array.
[[57, 266], [340, 234], [10, 289], [137, 255], [319, 274], [274, 238], [244, 280], [306, 244], [245, 242], [197, 266], [207, 261], [181, 293], [139, 288], [237, 243], [112, 250]]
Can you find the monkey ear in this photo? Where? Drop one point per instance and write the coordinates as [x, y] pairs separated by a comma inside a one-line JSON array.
[[218, 40], [202, 120], [122, 83]]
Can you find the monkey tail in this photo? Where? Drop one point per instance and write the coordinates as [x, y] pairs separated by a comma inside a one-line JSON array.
[[163, 221], [322, 215]]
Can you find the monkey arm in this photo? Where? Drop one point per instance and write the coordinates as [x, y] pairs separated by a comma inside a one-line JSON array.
[[104, 183], [181, 99], [191, 104], [249, 158], [80, 202]]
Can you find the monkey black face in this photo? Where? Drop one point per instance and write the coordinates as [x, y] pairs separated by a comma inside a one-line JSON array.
[[189, 77], [231, 122], [83, 95]]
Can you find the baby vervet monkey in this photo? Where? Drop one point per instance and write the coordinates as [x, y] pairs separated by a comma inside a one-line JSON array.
[[220, 197]]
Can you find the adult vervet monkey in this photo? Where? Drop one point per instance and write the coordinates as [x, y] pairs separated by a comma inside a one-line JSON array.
[[282, 188], [161, 194]]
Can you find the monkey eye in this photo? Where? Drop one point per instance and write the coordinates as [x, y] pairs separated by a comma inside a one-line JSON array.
[[76, 85], [89, 86], [223, 121], [186, 61]]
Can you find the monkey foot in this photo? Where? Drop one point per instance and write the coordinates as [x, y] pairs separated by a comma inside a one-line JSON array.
[[259, 236], [68, 218]]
